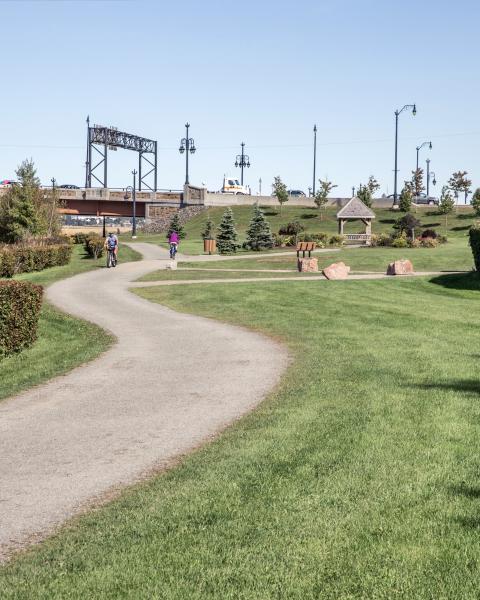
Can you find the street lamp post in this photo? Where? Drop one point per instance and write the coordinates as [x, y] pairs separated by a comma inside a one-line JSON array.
[[430, 174], [187, 145], [353, 191], [242, 160], [132, 189], [397, 113], [314, 156], [421, 146], [54, 181]]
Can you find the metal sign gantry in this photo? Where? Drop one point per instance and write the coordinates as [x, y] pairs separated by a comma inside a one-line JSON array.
[[100, 139]]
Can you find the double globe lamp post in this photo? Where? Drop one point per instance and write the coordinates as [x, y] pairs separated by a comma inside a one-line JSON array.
[[187, 146], [242, 161]]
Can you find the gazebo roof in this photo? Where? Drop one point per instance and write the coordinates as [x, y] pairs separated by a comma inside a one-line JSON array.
[[355, 209]]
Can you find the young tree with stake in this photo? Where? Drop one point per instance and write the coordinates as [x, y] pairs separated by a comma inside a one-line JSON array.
[[280, 191], [321, 196]]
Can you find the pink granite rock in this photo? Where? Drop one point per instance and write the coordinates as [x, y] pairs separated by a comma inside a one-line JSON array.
[[400, 267], [336, 271], [308, 265]]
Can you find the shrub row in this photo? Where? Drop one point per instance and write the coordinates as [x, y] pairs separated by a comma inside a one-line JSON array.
[[23, 258], [474, 235], [402, 241], [20, 303], [321, 239], [94, 245]]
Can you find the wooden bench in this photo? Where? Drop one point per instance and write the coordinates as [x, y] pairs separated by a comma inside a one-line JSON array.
[[305, 247]]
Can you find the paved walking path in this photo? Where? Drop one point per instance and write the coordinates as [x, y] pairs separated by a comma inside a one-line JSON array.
[[170, 383]]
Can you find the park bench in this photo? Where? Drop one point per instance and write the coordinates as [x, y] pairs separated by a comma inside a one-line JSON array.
[[305, 247]]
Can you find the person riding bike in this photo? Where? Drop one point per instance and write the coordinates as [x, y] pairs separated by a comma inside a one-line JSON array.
[[111, 244], [173, 240]]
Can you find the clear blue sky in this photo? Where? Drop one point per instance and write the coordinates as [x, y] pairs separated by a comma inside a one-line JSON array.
[[262, 72]]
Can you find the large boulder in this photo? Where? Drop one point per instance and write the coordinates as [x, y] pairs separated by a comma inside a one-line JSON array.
[[308, 265], [336, 271], [400, 267]]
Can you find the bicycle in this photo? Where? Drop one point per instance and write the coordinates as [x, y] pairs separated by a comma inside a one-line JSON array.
[[173, 250], [111, 258]]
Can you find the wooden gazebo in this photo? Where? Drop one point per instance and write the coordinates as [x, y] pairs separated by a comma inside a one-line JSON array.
[[356, 210]]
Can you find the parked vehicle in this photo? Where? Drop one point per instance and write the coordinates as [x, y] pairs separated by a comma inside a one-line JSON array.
[[7, 183], [297, 194], [424, 199], [233, 186], [69, 186]]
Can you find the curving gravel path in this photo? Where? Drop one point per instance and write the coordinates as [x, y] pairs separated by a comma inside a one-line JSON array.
[[170, 383]]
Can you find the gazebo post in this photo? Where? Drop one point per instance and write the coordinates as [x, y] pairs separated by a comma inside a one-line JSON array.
[[340, 226]]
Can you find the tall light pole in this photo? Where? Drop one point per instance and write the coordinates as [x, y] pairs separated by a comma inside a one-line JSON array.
[[421, 146], [397, 113], [314, 157], [353, 191], [187, 145], [430, 174], [132, 189], [54, 181], [242, 161]]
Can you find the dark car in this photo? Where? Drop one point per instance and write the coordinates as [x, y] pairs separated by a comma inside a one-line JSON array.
[[69, 186], [424, 199], [296, 194]]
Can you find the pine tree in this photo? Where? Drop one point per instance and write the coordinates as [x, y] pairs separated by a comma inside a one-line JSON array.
[[227, 234], [175, 225], [405, 202], [207, 233], [259, 235], [20, 215]]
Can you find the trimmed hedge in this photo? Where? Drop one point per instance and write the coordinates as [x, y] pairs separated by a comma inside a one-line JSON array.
[[19, 258], [20, 303], [94, 245], [474, 234]]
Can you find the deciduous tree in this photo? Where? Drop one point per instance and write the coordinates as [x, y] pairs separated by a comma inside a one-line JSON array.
[[321, 196], [280, 191]]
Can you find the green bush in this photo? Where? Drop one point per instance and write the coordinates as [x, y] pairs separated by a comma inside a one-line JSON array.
[[292, 228], [474, 235], [429, 242], [282, 241], [94, 245], [337, 240], [25, 258], [401, 241], [20, 303], [79, 238]]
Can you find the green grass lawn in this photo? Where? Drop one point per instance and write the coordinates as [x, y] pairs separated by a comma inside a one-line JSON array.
[[456, 255], [357, 478], [458, 223], [64, 342]]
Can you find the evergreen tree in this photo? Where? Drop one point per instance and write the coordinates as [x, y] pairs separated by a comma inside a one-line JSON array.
[[476, 202], [365, 195], [446, 204], [259, 235], [20, 207], [405, 201], [207, 233], [175, 225], [227, 234]]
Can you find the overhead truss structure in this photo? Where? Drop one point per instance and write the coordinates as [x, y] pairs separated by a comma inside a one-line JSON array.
[[100, 139]]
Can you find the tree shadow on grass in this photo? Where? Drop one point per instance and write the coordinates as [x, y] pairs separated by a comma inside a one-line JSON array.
[[462, 228], [469, 386], [458, 281], [468, 491], [387, 221], [309, 216], [425, 225]]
